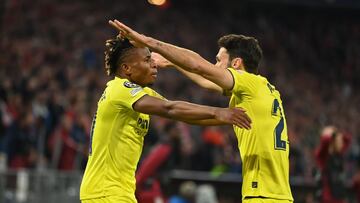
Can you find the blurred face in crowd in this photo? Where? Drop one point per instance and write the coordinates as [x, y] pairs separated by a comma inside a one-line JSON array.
[[338, 142], [139, 67]]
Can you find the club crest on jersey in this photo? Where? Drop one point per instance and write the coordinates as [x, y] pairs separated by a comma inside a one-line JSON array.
[[130, 84]]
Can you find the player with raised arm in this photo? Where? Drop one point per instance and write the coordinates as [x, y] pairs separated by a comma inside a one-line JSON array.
[[122, 120], [264, 148]]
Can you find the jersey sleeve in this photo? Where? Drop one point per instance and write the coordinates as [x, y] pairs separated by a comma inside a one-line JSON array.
[[244, 82], [153, 93], [125, 94]]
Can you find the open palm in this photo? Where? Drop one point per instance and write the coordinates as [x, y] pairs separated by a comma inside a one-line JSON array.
[[135, 38]]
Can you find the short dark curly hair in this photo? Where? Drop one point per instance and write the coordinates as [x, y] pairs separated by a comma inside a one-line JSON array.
[[114, 53], [247, 48]]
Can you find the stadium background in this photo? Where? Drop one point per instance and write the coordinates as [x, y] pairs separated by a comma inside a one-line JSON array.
[[52, 76]]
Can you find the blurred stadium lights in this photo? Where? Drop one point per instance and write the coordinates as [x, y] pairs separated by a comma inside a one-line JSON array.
[[157, 2]]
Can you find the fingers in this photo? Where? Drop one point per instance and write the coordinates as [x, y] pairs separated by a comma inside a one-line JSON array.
[[113, 24], [123, 29], [136, 44], [160, 60], [121, 25], [157, 59], [135, 38], [155, 56], [246, 122], [242, 112], [116, 24], [241, 118], [242, 123], [246, 117]]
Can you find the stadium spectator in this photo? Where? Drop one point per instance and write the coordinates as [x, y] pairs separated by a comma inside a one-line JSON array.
[[187, 193], [330, 159], [163, 157], [356, 181], [206, 194]]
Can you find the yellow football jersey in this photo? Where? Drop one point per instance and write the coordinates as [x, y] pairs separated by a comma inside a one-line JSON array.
[[264, 149], [116, 142]]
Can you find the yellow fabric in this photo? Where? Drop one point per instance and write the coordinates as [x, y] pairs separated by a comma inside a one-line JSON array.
[[116, 142], [264, 149], [108, 199], [265, 200]]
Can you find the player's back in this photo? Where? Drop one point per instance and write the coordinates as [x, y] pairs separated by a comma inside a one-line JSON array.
[[115, 144], [264, 149]]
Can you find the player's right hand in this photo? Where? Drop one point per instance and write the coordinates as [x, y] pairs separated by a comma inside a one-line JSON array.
[[234, 116], [135, 38], [160, 61], [328, 131]]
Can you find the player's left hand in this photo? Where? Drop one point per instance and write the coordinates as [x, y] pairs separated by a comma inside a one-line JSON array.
[[135, 38], [160, 61], [234, 116]]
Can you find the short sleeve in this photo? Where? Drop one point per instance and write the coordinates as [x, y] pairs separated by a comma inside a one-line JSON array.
[[153, 93], [244, 82], [125, 94]]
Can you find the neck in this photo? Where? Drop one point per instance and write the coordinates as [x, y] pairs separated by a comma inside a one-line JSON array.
[[239, 68], [122, 75]]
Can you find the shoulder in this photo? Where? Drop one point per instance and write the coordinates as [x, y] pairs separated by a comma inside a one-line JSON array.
[[244, 81], [153, 93], [124, 90], [240, 74], [122, 83]]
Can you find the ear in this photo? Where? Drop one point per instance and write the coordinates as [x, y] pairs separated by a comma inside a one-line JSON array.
[[237, 63], [126, 68]]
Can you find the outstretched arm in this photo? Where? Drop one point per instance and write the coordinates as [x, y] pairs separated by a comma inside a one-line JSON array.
[[162, 62], [206, 122], [192, 113], [184, 58]]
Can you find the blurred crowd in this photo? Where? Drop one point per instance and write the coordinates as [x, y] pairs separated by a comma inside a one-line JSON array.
[[52, 76]]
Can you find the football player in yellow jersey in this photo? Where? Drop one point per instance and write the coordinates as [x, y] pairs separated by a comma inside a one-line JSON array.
[[264, 149], [122, 120]]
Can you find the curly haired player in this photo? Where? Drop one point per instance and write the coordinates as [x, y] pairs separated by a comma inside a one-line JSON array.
[[122, 120]]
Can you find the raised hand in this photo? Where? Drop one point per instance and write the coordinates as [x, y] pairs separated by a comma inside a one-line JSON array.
[[160, 61], [234, 116], [135, 38]]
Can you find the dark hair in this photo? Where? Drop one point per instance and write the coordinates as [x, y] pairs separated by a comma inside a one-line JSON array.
[[247, 48], [114, 53]]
